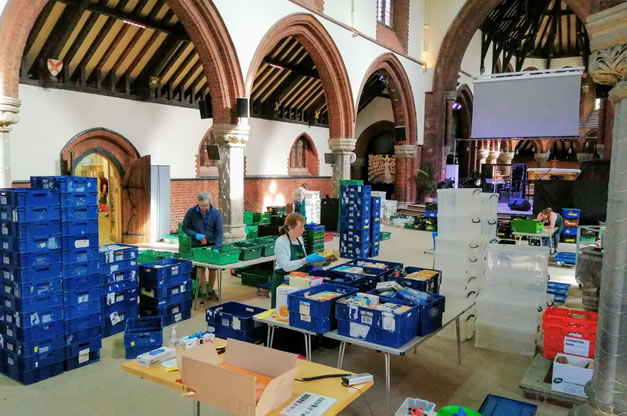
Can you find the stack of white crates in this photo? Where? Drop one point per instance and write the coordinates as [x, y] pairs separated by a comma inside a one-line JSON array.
[[312, 207], [466, 225], [510, 306]]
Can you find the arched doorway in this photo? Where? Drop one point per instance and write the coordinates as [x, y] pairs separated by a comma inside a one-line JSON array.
[[365, 145]]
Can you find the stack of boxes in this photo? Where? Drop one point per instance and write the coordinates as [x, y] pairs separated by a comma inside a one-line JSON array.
[[31, 300], [466, 225], [314, 238], [166, 290], [375, 228], [571, 223], [312, 207], [118, 264], [355, 216], [82, 282], [509, 306], [431, 216]]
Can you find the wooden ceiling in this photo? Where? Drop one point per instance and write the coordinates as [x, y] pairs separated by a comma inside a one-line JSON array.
[[544, 29]]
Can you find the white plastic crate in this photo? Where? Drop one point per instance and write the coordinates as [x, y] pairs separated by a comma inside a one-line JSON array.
[[459, 227], [518, 340], [465, 202], [429, 408]]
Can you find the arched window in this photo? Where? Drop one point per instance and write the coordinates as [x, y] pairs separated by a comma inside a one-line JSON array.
[[303, 157], [205, 167]]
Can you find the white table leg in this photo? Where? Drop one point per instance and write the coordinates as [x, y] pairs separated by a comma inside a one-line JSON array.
[[307, 346], [459, 342], [340, 356], [272, 328], [220, 285], [388, 393], [196, 408]]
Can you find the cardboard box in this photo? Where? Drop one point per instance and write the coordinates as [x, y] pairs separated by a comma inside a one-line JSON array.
[[305, 282], [572, 377], [281, 301], [231, 390]]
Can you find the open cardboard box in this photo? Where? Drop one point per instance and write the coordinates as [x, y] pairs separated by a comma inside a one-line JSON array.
[[232, 390], [572, 377]]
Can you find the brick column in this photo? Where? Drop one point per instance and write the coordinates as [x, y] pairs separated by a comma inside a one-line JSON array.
[[343, 149], [231, 140], [404, 153], [434, 150], [9, 114], [357, 168]]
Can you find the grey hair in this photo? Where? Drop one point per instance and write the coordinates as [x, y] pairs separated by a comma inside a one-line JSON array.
[[204, 197]]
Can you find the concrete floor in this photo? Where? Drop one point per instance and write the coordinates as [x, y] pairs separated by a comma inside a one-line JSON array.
[[432, 374]]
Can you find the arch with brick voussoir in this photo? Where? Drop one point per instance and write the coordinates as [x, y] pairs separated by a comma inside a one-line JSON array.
[[312, 162], [200, 19], [448, 64], [312, 35]]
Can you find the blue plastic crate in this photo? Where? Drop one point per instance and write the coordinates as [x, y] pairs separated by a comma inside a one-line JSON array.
[[80, 255], [356, 330], [121, 276], [74, 243], [30, 377], [31, 213], [431, 285], [133, 352], [65, 183], [143, 332], [229, 312], [159, 284], [83, 335], [82, 309], [173, 318], [431, 213], [314, 227], [560, 298], [108, 331], [555, 288], [256, 335], [354, 223], [367, 280], [74, 349], [569, 231], [41, 332], [30, 290], [374, 251], [430, 318], [114, 253], [167, 310], [82, 283], [128, 296], [502, 406], [388, 268], [30, 260], [166, 268], [120, 266], [80, 269], [83, 323], [117, 318], [33, 304], [33, 348], [32, 274], [79, 199], [19, 197], [571, 213], [312, 315], [90, 357], [165, 301], [120, 286], [84, 227], [173, 288], [354, 245], [26, 320], [71, 214], [375, 201], [31, 229], [83, 296], [18, 365]]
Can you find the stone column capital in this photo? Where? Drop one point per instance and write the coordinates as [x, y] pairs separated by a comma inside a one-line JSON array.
[[9, 112], [230, 135], [583, 156], [619, 92], [405, 151], [609, 66], [450, 96], [507, 157], [483, 154], [342, 145]]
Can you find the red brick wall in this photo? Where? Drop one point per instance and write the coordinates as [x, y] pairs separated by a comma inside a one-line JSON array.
[[315, 5], [184, 191], [397, 37]]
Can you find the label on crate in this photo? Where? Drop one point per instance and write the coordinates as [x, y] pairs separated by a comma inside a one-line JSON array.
[[175, 270], [10, 361], [119, 298], [305, 318], [6, 260], [16, 217], [176, 310], [366, 318], [114, 268], [9, 332], [110, 298], [389, 323], [3, 200], [5, 230], [304, 308], [42, 350], [237, 325], [115, 318], [81, 243], [225, 322], [5, 245], [176, 290], [83, 356], [177, 317], [83, 298], [576, 346], [9, 346]]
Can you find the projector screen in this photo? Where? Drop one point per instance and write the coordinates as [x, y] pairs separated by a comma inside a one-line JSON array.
[[527, 105]]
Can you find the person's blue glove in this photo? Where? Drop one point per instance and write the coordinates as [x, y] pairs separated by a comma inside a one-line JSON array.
[[315, 258], [200, 237], [215, 250]]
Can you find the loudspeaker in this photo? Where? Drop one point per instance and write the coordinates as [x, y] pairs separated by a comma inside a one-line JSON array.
[[329, 158], [242, 107], [400, 133], [213, 152], [205, 108], [519, 204]]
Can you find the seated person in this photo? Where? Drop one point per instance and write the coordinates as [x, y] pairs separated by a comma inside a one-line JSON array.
[[551, 220]]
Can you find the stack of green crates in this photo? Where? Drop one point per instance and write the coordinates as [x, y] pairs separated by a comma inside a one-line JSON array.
[[148, 256], [249, 250], [252, 231], [185, 241], [256, 277], [227, 255], [259, 218], [267, 245], [248, 217], [314, 239]]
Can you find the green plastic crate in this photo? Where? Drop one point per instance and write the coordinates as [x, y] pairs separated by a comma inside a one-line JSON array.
[[171, 238], [256, 277], [527, 226], [385, 235], [227, 255], [248, 217], [351, 182], [267, 249], [588, 239], [248, 250], [148, 256]]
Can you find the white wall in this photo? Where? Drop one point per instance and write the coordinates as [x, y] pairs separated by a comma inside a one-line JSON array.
[[365, 14], [379, 109], [416, 28], [270, 142], [471, 63], [441, 15]]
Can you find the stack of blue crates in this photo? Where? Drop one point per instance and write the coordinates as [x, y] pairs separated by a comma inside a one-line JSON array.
[[375, 227], [355, 212], [31, 295], [166, 290], [82, 281], [120, 300]]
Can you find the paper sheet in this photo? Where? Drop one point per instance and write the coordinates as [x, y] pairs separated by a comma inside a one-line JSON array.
[[308, 404], [170, 365]]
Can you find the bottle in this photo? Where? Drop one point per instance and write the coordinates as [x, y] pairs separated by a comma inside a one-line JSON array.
[[173, 338]]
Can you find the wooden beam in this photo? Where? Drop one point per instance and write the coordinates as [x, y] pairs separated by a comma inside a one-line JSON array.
[[138, 33], [300, 69], [182, 66], [80, 38], [39, 23]]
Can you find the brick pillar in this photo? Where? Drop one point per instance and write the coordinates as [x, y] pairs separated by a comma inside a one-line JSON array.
[[231, 140], [343, 149], [9, 114], [434, 150], [357, 168], [404, 153], [541, 158]]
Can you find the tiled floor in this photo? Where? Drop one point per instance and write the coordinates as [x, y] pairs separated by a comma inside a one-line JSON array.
[[431, 374]]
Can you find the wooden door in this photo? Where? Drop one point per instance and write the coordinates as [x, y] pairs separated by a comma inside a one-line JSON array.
[[136, 202]]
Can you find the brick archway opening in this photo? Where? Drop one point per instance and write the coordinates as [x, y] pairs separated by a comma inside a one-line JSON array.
[[310, 33], [359, 170], [201, 20], [447, 66], [205, 167], [303, 159]]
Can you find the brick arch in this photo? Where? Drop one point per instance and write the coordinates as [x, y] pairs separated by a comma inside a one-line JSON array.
[[201, 20], [114, 146], [468, 20], [465, 98], [312, 161], [323, 51], [372, 131], [403, 105]]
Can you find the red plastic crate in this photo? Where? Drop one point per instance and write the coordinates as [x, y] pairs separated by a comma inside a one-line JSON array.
[[328, 236], [571, 223], [559, 323]]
